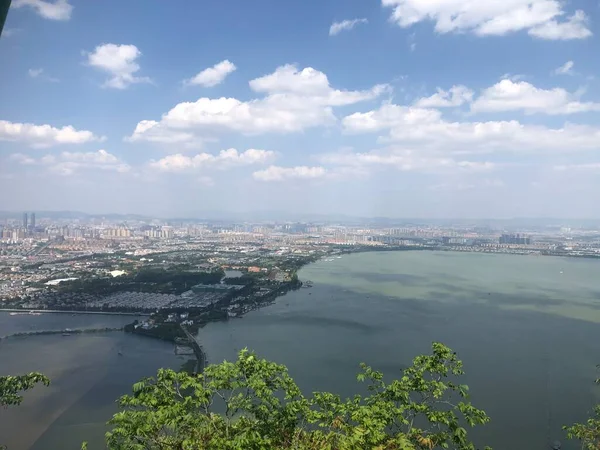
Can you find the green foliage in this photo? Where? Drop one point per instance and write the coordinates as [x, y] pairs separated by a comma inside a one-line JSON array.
[[587, 433], [152, 280], [11, 387], [254, 404]]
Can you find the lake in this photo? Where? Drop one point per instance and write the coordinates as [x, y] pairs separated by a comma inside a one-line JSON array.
[[525, 327]]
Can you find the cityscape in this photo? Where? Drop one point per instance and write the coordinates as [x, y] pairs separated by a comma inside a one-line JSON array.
[[40, 256]]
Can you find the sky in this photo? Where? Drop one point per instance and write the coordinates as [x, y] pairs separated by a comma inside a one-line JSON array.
[[370, 108]]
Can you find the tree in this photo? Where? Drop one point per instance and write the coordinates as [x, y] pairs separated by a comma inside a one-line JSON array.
[[12, 387], [587, 433], [254, 404]]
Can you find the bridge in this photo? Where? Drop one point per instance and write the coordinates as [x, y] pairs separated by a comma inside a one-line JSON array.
[[200, 355]]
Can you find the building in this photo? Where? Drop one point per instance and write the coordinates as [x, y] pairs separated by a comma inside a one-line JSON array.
[[514, 239], [25, 220], [32, 221]]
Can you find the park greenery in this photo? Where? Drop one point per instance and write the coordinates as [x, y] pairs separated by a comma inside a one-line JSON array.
[[253, 403], [153, 280]]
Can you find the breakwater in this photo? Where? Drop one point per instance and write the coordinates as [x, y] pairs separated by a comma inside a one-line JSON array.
[[60, 311], [65, 332]]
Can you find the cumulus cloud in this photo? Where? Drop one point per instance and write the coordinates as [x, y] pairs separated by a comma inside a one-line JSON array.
[[345, 25], [427, 129], [277, 173], [544, 19], [41, 136], [213, 75], [120, 62], [565, 69], [224, 160], [53, 10], [294, 101], [67, 163], [456, 96], [508, 95]]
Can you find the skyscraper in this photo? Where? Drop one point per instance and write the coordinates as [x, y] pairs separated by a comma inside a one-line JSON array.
[[32, 220], [25, 220]]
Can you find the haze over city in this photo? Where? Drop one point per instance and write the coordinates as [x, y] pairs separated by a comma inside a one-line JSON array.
[[396, 108]]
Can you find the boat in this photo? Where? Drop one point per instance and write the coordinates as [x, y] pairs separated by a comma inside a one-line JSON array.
[[66, 334]]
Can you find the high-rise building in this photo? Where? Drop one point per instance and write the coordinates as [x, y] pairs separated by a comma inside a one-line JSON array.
[[32, 221], [25, 220]]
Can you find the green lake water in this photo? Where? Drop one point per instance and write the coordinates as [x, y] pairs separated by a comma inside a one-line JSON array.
[[526, 327]]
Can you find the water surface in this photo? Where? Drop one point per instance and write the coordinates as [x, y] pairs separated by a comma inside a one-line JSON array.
[[526, 328]]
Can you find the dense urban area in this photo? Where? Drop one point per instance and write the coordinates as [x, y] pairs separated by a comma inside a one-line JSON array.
[[185, 273]]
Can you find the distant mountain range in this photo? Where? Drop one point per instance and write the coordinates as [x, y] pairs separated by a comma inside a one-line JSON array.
[[277, 216]]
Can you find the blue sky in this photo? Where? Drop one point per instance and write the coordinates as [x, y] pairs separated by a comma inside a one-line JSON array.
[[398, 108]]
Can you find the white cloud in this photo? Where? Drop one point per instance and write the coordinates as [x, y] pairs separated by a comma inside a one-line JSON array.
[[120, 61], [425, 129], [294, 101], [576, 27], [224, 160], [8, 32], [404, 160], [41, 136], [22, 159], [456, 96], [39, 73], [345, 25], [277, 173], [53, 10], [578, 167], [152, 131], [513, 96], [67, 163], [540, 18], [34, 73], [213, 75], [565, 69]]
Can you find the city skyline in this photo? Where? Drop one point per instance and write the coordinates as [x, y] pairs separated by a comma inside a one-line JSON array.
[[385, 108]]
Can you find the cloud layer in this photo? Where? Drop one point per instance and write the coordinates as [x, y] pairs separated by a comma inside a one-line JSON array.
[[293, 101]]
